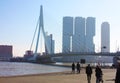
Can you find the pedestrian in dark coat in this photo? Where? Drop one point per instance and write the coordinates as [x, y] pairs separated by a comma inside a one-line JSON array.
[[89, 73], [117, 78], [73, 67], [78, 67], [98, 74]]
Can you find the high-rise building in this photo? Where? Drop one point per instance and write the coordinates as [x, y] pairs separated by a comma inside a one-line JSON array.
[[90, 33], [105, 37], [67, 34], [51, 43], [6, 52], [78, 41], [78, 34]]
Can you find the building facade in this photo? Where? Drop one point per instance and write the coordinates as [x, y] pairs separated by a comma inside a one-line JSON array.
[[67, 34], [6, 52], [51, 44], [78, 34], [78, 41], [90, 33], [105, 37]]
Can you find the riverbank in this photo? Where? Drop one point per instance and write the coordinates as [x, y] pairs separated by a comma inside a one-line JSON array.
[[60, 77]]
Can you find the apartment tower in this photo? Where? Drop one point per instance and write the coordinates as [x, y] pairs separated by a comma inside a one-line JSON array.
[[105, 37]]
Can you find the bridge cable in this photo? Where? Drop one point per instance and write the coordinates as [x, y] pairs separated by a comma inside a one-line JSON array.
[[34, 35]]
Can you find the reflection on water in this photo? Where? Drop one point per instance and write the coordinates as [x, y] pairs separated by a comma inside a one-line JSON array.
[[12, 68]]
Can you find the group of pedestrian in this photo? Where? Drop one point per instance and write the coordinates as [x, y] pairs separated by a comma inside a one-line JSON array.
[[77, 67], [98, 72], [88, 70]]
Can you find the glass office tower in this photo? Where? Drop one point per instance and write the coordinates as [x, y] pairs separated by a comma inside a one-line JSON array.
[[67, 34], [90, 33], [51, 44], [78, 41]]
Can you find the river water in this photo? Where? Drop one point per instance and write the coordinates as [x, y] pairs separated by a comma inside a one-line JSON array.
[[15, 69]]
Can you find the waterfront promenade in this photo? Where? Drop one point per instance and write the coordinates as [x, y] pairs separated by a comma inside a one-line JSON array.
[[60, 77]]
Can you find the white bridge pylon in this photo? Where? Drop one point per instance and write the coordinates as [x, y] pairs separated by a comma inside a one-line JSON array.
[[41, 27]]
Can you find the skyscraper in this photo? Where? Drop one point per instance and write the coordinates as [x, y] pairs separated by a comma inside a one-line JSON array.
[[67, 34], [78, 41], [51, 43], [90, 33], [105, 37]]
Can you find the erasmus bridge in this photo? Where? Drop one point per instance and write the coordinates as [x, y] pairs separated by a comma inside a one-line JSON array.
[[40, 29], [65, 57]]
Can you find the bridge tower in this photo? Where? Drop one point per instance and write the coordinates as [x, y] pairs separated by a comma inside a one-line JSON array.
[[41, 31]]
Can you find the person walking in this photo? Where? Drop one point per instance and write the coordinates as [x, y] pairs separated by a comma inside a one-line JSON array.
[[73, 67], [78, 67], [89, 73], [98, 74], [117, 77]]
